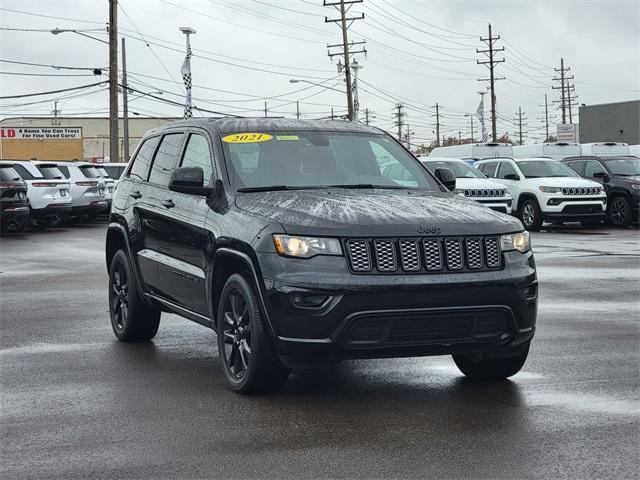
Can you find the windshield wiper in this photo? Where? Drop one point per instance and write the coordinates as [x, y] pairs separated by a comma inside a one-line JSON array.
[[274, 188]]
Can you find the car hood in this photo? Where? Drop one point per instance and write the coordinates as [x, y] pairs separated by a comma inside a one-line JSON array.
[[563, 182], [375, 213], [478, 183]]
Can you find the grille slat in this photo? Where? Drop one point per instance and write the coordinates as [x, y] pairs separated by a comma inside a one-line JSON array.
[[430, 255]]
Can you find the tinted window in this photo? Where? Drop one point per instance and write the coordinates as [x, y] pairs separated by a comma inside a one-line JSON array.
[[166, 159], [65, 171], [8, 174], [50, 171], [24, 173], [89, 172], [629, 166], [545, 168], [142, 160], [592, 167], [577, 167], [321, 158], [489, 169], [114, 172], [197, 154], [506, 169]]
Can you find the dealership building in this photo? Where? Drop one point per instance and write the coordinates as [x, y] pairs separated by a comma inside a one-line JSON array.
[[68, 138], [610, 122]]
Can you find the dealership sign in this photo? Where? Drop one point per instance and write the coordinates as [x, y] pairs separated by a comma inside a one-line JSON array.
[[40, 133]]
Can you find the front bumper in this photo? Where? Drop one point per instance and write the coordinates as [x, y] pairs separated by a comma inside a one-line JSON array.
[[319, 312]]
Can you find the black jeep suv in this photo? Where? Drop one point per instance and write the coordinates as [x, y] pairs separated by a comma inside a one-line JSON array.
[[285, 237], [620, 177]]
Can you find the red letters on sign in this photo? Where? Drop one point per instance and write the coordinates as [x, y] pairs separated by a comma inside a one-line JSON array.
[[7, 133]]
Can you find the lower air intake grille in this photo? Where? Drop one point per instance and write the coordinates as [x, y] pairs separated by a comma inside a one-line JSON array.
[[431, 328]]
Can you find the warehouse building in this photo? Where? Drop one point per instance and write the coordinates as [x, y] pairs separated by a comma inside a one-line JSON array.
[[610, 122], [68, 138]]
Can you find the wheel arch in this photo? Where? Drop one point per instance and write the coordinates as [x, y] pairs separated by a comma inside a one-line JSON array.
[[523, 197]]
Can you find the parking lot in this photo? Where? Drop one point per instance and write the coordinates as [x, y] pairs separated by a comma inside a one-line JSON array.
[[75, 403]]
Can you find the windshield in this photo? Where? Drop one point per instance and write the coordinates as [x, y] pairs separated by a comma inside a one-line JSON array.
[[314, 159], [545, 168], [625, 167], [461, 169], [50, 171]]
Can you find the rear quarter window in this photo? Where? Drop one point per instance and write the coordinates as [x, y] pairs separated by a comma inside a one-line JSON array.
[[142, 160], [8, 174], [24, 173], [89, 172]]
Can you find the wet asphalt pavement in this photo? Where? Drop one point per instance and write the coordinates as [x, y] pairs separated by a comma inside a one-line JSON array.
[[75, 403]]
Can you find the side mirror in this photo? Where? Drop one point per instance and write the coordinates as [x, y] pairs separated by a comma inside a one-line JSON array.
[[189, 180], [447, 177], [511, 176]]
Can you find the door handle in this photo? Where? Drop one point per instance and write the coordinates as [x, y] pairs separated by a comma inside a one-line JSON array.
[[168, 203], [136, 195]]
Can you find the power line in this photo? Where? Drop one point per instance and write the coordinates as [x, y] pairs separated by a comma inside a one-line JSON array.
[[51, 92]]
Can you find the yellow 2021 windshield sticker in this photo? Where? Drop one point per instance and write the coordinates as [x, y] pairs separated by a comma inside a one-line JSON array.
[[247, 138]]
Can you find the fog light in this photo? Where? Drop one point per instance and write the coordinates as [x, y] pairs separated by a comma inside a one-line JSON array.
[[303, 300]]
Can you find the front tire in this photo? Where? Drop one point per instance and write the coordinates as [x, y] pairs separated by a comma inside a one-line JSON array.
[[479, 367], [248, 360], [620, 212], [132, 319], [530, 215]]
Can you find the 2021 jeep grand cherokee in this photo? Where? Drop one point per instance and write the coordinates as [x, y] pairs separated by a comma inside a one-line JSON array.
[[285, 237]]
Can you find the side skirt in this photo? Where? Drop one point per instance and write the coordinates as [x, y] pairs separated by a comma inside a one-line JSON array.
[[183, 312]]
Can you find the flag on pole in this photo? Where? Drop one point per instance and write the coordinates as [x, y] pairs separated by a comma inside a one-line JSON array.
[[480, 115], [186, 78]]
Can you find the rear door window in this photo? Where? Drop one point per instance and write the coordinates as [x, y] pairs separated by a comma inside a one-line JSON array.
[[50, 172], [142, 160], [592, 167], [166, 159], [8, 174], [113, 171]]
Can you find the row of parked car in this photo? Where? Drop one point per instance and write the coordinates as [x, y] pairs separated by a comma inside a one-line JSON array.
[[586, 189], [41, 194]]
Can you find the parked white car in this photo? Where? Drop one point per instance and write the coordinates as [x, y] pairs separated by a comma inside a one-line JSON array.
[[114, 169], [109, 183], [87, 190], [547, 190], [48, 192], [471, 183]]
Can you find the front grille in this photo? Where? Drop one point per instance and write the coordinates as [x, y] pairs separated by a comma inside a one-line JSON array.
[[484, 192], [431, 328], [581, 190], [416, 255]]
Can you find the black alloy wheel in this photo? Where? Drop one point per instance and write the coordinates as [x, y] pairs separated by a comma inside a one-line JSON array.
[[119, 298], [620, 212], [236, 332]]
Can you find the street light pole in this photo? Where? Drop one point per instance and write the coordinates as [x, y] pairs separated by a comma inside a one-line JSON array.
[[470, 115], [113, 80], [298, 80]]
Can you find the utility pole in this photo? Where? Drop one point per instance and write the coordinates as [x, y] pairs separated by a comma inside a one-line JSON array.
[[571, 90], [470, 115], [437, 107], [55, 112], [459, 137], [265, 109], [113, 81], [563, 79], [546, 118], [125, 103], [491, 52], [343, 7], [297, 109], [408, 136], [520, 124], [399, 116], [332, 117]]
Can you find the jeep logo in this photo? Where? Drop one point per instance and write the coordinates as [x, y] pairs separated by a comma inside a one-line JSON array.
[[428, 230]]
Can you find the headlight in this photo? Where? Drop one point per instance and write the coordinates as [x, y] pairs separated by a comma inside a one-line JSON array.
[[515, 241], [306, 247], [550, 189], [635, 186]]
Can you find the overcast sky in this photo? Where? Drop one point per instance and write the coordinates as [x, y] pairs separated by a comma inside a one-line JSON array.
[[419, 52]]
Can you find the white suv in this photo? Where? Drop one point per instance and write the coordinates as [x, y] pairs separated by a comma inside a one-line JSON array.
[[48, 192], [109, 183], [547, 190], [87, 190], [471, 183]]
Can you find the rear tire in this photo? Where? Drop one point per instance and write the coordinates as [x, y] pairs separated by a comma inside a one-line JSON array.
[[490, 369], [132, 319], [620, 212], [530, 215], [248, 359]]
